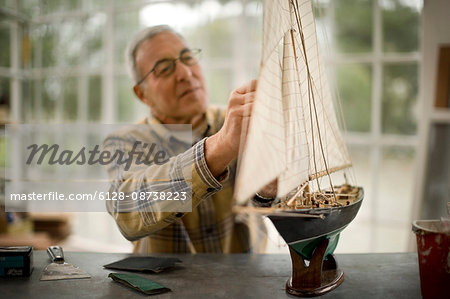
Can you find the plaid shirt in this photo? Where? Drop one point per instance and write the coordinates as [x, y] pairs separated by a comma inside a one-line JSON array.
[[210, 227]]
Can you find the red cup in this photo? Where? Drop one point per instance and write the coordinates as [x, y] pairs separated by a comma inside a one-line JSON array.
[[433, 249]]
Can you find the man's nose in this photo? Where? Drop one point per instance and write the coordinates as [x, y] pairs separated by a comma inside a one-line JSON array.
[[182, 71]]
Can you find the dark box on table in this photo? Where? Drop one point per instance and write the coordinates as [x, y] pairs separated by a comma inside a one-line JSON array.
[[16, 261]]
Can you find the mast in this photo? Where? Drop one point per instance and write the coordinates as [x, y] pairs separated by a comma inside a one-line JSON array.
[[293, 132]]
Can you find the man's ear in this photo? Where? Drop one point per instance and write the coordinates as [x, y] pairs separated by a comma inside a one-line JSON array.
[[139, 93]]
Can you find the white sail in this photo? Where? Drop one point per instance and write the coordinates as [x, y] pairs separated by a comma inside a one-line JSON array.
[[293, 132]]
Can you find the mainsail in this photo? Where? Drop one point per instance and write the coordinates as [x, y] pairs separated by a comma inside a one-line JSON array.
[[293, 133]]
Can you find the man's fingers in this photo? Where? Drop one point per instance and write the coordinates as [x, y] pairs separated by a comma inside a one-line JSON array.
[[246, 109], [241, 99], [242, 110], [249, 87], [250, 97]]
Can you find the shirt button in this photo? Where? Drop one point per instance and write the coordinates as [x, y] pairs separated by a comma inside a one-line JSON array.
[[179, 215]]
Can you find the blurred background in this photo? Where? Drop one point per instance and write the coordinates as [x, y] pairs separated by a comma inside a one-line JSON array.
[[63, 62]]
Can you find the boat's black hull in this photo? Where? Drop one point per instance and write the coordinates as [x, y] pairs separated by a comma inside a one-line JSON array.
[[296, 229]]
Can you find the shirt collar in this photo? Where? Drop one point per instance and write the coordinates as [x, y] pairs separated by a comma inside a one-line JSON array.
[[166, 133]]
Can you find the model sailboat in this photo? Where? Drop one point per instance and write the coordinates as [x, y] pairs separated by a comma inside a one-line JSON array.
[[293, 136]]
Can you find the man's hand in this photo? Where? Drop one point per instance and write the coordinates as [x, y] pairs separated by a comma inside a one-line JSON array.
[[239, 111], [223, 147]]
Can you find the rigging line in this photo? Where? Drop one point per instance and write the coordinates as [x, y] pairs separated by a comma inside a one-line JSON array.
[[337, 93], [300, 31], [325, 116], [315, 108], [321, 93], [297, 117], [303, 118], [334, 85], [339, 140], [296, 74], [301, 104], [320, 74], [322, 99]]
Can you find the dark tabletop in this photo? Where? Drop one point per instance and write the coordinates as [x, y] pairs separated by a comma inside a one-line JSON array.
[[390, 275]]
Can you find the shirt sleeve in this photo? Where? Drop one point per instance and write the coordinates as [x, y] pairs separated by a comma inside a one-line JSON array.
[[137, 214]]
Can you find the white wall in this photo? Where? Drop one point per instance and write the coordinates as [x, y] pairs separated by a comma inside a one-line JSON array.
[[435, 32]]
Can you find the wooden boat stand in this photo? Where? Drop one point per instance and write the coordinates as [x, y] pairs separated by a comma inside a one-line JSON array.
[[319, 277]]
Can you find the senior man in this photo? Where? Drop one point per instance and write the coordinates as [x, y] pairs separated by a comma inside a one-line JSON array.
[[169, 80]]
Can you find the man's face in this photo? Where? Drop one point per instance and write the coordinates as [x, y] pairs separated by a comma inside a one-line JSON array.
[[180, 97]]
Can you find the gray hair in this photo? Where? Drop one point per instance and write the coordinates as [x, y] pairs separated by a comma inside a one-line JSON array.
[[136, 41]]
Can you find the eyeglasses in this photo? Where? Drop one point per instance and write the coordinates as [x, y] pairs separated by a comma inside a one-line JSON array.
[[166, 67]]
